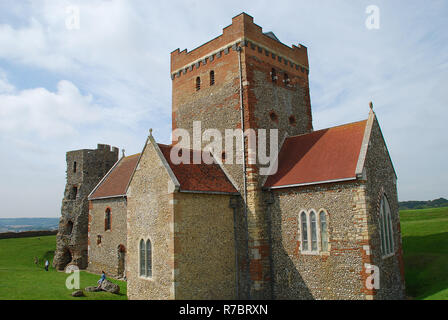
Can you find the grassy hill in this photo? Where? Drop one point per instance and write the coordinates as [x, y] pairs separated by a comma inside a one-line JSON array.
[[413, 205], [28, 224], [425, 251], [21, 279]]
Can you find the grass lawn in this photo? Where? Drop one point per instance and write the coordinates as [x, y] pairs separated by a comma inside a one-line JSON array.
[[425, 250], [21, 279]]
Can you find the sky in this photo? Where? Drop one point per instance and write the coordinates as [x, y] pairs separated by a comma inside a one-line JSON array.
[[69, 83]]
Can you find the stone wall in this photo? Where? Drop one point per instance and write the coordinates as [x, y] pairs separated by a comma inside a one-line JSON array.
[[381, 180], [204, 247], [333, 275], [90, 168], [150, 216], [107, 254]]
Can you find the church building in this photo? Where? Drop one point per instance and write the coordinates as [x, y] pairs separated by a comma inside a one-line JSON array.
[[320, 221]]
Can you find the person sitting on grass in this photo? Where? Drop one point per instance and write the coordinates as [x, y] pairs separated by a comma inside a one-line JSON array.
[[103, 277]]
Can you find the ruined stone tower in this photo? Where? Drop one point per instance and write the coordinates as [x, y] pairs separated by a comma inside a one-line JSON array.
[[85, 168], [244, 69]]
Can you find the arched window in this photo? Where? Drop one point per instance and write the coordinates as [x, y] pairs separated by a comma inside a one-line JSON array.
[[274, 75], [323, 231], [313, 231], [386, 228], [198, 83], [148, 259], [107, 218], [142, 258], [212, 77], [304, 232]]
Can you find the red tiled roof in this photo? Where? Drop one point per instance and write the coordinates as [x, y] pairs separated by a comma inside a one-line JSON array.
[[198, 177], [115, 183], [324, 155]]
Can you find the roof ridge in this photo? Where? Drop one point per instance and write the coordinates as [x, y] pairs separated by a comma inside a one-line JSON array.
[[341, 125]]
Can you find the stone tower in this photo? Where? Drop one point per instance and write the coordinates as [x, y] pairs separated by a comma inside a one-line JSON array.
[[250, 75], [85, 168]]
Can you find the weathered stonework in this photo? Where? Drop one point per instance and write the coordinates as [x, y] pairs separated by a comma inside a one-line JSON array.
[[151, 216], [108, 254], [90, 167]]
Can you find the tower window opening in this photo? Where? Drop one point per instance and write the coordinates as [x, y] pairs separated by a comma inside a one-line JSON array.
[[274, 75], [198, 83], [292, 120], [212, 77], [74, 166], [273, 116], [74, 192]]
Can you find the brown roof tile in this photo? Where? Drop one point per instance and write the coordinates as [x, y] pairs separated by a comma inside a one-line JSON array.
[[115, 183], [320, 156], [198, 177]]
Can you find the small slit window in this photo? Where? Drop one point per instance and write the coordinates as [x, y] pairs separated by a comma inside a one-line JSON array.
[[74, 192], [198, 83], [274, 75], [107, 220], [212, 77], [74, 166]]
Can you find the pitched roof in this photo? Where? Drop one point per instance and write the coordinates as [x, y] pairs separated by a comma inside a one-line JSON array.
[[116, 180], [321, 156], [198, 177]]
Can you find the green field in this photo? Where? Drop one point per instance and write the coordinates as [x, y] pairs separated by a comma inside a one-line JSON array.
[[21, 279], [425, 250]]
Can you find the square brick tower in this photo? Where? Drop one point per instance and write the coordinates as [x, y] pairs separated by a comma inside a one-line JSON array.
[[244, 79]]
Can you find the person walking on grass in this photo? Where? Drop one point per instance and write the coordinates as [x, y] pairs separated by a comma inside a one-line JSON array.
[[47, 263], [103, 277]]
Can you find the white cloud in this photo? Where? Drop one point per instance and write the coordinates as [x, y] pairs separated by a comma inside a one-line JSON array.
[[117, 83]]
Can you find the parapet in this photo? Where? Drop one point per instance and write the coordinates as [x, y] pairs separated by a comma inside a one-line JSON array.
[[243, 30]]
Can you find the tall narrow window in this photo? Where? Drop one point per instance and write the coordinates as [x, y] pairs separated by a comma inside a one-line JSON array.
[[74, 192], [107, 220], [386, 228], [304, 232], [273, 75], [74, 166], [142, 258], [323, 231], [198, 83], [212, 77], [148, 259], [313, 231]]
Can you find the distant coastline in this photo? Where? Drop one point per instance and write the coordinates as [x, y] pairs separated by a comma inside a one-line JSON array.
[[28, 224]]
